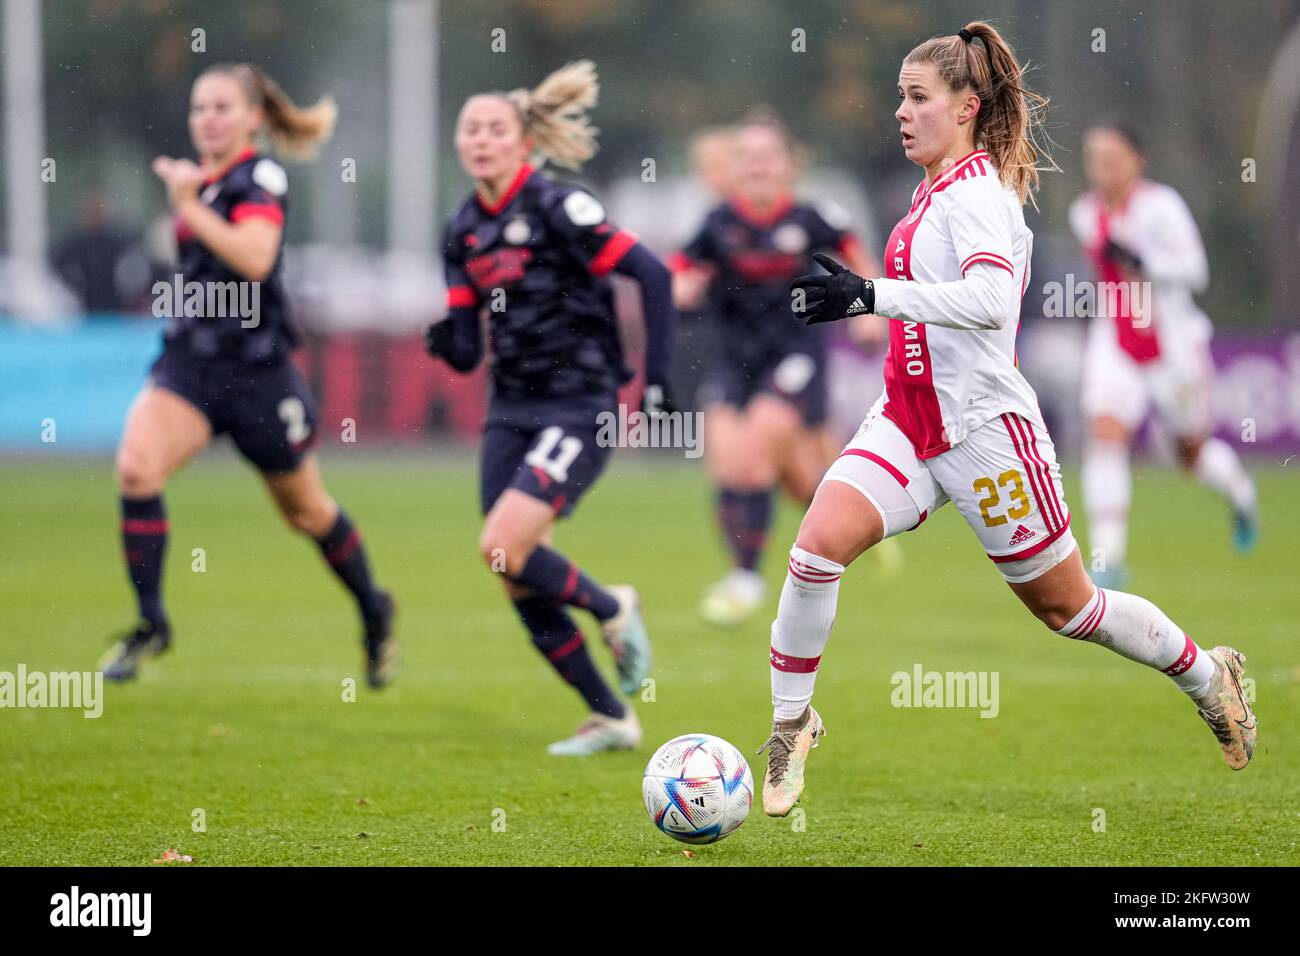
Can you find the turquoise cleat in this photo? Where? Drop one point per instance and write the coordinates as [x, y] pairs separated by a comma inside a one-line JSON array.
[[625, 633], [599, 734], [1245, 530]]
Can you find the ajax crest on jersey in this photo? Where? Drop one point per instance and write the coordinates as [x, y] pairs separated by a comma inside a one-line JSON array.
[[516, 231], [790, 238], [697, 788]]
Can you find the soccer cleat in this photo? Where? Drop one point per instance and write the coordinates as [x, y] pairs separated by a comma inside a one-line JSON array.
[[1115, 579], [734, 599], [1245, 530], [625, 633], [122, 661], [787, 755], [383, 657], [599, 733], [1227, 712]]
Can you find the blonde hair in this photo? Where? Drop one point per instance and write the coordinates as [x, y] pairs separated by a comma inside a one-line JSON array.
[[1009, 123], [296, 131], [554, 115]]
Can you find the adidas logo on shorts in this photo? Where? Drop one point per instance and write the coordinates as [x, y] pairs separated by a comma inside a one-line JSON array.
[[1022, 534]]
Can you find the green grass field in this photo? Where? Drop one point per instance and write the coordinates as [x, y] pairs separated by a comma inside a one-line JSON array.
[[244, 717]]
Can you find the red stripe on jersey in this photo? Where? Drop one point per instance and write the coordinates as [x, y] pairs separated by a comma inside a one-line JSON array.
[[612, 252], [1030, 551], [230, 164], [511, 191], [792, 665], [258, 210], [947, 178], [681, 262], [1031, 472], [762, 219], [913, 404], [872, 456], [461, 297], [992, 257], [1142, 343]]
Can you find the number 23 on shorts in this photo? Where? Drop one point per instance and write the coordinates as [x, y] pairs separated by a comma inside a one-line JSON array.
[[988, 489]]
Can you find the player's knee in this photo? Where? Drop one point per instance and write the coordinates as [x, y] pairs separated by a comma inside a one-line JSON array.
[[1188, 449], [1053, 617], [137, 476], [827, 542], [503, 553], [310, 518], [514, 590]]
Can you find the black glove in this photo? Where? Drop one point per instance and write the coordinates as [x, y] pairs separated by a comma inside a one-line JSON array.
[[1122, 257], [828, 298], [657, 399], [456, 340], [438, 338]]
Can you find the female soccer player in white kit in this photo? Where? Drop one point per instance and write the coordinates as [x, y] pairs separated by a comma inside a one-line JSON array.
[[1145, 350], [957, 421]]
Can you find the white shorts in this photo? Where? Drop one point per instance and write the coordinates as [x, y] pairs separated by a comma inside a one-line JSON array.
[[1003, 477], [1177, 383]]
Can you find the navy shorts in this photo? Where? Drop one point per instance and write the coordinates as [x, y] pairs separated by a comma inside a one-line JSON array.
[[268, 410], [552, 450], [796, 377]]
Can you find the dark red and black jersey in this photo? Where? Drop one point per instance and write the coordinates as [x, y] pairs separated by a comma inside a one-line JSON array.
[[213, 319], [753, 257], [538, 260]]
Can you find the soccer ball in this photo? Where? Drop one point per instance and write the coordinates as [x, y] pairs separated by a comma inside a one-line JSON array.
[[697, 788]]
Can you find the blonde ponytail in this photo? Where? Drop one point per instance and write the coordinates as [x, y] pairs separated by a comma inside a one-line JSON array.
[[554, 115], [1009, 125], [296, 131]]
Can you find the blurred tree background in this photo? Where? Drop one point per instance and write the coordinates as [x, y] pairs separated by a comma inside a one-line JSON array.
[[1190, 76]]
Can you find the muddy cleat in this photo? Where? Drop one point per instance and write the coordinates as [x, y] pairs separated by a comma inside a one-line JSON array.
[[1226, 709], [599, 733], [383, 658], [122, 662], [787, 755], [626, 636], [733, 600]]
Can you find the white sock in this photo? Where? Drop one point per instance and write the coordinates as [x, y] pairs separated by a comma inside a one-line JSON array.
[[1218, 467], [801, 629], [1107, 491], [1135, 628]]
